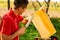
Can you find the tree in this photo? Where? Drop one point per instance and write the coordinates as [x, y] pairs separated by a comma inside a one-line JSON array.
[[48, 3], [8, 4], [39, 3], [34, 5]]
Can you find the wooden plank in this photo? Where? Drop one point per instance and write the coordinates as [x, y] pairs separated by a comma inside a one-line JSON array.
[[43, 24]]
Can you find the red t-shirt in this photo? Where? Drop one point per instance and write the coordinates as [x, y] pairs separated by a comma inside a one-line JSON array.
[[10, 23]]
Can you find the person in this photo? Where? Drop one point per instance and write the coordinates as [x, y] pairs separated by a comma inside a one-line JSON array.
[[10, 21]]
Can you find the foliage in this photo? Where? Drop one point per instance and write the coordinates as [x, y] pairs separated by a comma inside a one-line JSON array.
[[31, 31], [30, 34], [56, 23]]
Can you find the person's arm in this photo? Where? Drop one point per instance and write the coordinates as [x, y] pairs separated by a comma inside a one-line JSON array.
[[5, 37], [19, 32], [10, 37]]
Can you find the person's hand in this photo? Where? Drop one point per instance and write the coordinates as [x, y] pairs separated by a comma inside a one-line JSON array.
[[43, 8], [5, 37], [22, 30], [24, 21]]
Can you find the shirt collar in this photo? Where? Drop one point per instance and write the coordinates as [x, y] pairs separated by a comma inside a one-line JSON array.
[[12, 13]]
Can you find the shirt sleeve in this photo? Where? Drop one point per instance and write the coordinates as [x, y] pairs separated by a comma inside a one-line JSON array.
[[20, 18], [6, 26]]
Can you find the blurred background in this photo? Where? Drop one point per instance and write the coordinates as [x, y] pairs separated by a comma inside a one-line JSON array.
[[52, 9]]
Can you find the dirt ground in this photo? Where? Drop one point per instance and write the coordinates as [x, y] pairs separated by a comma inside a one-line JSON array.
[[2, 12], [53, 14]]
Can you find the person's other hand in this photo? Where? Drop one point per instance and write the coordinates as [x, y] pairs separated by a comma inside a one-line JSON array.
[[24, 21], [22, 30], [43, 9]]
